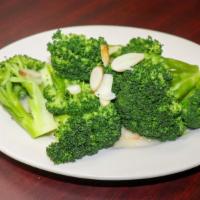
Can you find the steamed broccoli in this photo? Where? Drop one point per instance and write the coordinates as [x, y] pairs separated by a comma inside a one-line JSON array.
[[85, 135], [83, 102], [191, 108], [54, 90], [84, 126], [143, 45], [140, 45], [150, 95], [60, 101], [74, 56], [18, 81]]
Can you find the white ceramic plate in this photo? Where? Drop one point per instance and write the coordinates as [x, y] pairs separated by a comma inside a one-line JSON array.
[[111, 164]]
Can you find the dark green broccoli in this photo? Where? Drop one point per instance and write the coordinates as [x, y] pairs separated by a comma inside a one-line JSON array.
[[74, 56], [149, 98], [19, 80], [143, 45], [86, 135], [83, 102], [140, 45], [137, 45], [60, 101], [191, 108]]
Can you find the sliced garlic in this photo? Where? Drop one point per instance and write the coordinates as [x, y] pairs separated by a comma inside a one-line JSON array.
[[113, 48], [107, 96], [129, 139], [104, 102], [96, 78], [126, 61], [74, 89], [106, 84], [105, 54], [104, 91]]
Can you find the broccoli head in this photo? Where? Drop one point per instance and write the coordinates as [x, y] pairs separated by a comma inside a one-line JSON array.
[[150, 95], [191, 108], [72, 104], [140, 45], [86, 135], [60, 101], [74, 56], [143, 45], [83, 102], [54, 91]]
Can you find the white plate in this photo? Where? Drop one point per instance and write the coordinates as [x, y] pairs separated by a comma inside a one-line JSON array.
[[111, 164]]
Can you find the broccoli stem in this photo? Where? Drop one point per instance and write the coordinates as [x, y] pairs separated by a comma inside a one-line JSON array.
[[18, 74], [178, 66], [43, 121], [184, 86], [12, 104], [185, 77]]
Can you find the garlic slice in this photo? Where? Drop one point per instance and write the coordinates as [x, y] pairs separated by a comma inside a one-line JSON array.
[[126, 61], [104, 91], [129, 139], [107, 96], [74, 89], [96, 77], [105, 54]]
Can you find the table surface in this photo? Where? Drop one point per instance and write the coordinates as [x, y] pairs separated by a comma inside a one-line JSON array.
[[20, 18]]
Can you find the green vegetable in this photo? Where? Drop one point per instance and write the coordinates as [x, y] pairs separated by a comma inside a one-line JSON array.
[[19, 91], [54, 91], [143, 45], [79, 136], [191, 108], [140, 45], [84, 126], [60, 101], [150, 95], [16, 83], [74, 56]]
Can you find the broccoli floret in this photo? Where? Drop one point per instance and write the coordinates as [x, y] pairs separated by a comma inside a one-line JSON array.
[[86, 135], [60, 101], [19, 83], [76, 104], [18, 61], [143, 45], [149, 99], [74, 56], [83, 102], [191, 108], [54, 91], [140, 45]]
